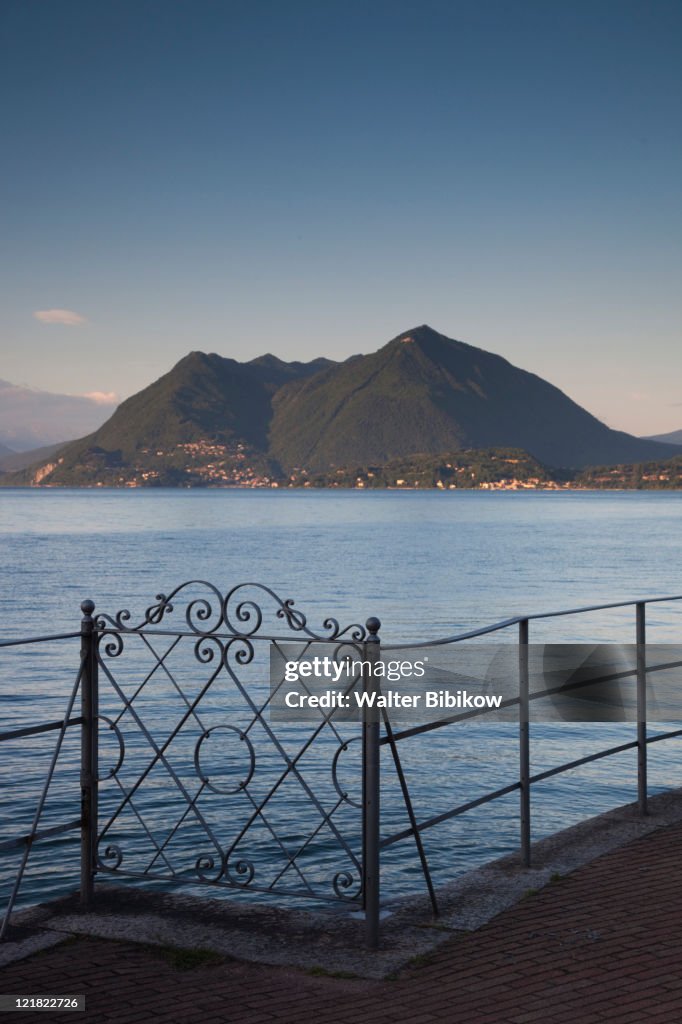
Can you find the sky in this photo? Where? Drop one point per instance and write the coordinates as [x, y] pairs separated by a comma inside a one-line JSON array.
[[313, 177]]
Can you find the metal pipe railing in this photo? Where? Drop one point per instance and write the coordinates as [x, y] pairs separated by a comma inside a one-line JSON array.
[[35, 834], [526, 780], [517, 619]]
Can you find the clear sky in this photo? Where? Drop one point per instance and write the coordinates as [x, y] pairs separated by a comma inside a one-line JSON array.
[[312, 177]]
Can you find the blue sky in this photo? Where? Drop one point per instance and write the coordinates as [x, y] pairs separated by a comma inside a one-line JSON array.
[[311, 178]]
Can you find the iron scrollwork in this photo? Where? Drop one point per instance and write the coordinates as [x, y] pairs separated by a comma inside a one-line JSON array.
[[239, 612], [342, 882], [335, 778], [110, 858]]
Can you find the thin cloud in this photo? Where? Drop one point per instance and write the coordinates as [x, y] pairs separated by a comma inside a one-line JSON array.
[[65, 317], [103, 397], [639, 396]]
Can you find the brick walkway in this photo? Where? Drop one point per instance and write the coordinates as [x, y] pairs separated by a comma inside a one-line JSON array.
[[602, 945]]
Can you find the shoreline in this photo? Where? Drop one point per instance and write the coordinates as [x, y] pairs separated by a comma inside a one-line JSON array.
[[365, 490]]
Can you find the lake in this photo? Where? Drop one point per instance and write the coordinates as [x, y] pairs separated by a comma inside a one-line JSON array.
[[428, 564]]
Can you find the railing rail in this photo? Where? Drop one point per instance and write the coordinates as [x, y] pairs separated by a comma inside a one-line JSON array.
[[516, 620], [38, 639]]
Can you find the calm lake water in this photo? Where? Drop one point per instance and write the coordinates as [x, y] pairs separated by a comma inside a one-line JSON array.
[[427, 564]]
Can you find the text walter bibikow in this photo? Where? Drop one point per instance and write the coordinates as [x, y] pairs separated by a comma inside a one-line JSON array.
[[342, 690]]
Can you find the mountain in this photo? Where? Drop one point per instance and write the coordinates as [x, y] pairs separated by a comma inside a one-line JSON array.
[[202, 397], [206, 408], [213, 420], [30, 418], [674, 437], [12, 461], [424, 392]]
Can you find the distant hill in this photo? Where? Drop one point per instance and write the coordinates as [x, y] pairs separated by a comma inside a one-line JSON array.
[[30, 418], [213, 420], [424, 392], [658, 475], [459, 470], [674, 437], [12, 461]]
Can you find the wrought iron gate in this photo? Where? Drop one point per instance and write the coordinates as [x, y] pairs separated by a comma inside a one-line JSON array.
[[196, 784]]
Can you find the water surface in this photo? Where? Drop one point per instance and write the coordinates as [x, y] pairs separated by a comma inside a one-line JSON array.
[[428, 564]]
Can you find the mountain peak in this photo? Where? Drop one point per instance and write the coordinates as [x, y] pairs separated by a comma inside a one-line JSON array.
[[267, 359], [421, 333], [428, 339]]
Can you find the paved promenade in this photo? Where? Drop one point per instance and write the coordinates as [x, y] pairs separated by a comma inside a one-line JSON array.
[[601, 945]]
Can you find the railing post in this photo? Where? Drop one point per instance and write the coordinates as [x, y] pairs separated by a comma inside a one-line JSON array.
[[524, 744], [89, 745], [640, 612], [371, 778]]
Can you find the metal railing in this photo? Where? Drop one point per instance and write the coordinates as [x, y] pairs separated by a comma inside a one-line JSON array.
[[526, 780], [223, 634], [27, 840]]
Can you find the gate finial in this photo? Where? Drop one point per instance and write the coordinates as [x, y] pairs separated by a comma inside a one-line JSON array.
[[373, 626]]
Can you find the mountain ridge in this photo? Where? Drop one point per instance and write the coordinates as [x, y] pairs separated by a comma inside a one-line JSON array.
[[672, 437], [420, 393]]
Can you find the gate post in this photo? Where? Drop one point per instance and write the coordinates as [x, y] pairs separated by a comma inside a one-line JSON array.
[[524, 744], [641, 708], [371, 778], [88, 775]]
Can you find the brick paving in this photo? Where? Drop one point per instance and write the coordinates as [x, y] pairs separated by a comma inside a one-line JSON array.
[[601, 945]]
